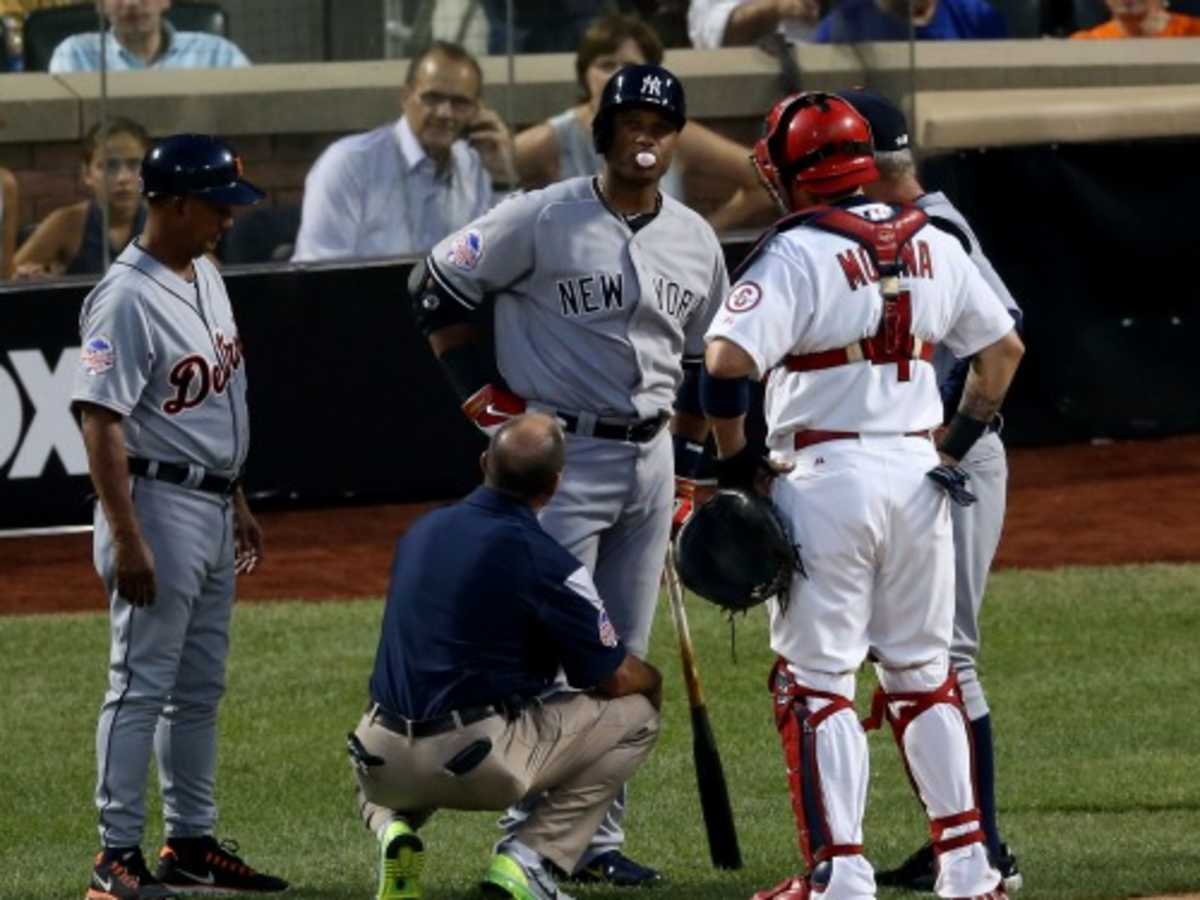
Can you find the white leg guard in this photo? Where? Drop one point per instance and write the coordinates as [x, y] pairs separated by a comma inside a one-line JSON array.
[[924, 707], [825, 748]]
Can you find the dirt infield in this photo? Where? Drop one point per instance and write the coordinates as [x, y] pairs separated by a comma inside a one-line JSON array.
[[1114, 503]]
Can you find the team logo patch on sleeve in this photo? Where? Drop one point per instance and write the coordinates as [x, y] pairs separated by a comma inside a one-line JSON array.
[[466, 250], [743, 297], [608, 634], [97, 355]]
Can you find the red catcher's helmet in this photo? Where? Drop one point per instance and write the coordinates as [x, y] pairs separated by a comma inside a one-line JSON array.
[[816, 142]]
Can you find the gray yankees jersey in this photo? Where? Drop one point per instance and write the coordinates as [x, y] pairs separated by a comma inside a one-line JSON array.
[[590, 315], [937, 204], [165, 354]]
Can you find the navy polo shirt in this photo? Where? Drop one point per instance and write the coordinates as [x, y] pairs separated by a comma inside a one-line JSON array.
[[483, 606]]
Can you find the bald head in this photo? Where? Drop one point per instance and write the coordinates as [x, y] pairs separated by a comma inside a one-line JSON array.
[[525, 457]]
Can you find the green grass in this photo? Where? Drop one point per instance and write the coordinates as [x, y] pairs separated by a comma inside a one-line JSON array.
[[1091, 674]]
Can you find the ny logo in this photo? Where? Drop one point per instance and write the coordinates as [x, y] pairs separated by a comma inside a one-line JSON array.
[[652, 85]]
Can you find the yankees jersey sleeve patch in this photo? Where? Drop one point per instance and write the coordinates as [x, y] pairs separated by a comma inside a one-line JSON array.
[[466, 250]]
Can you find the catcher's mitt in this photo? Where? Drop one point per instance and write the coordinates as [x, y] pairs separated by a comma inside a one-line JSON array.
[[735, 551]]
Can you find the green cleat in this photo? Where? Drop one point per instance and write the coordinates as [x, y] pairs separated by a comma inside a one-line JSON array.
[[506, 876], [401, 856]]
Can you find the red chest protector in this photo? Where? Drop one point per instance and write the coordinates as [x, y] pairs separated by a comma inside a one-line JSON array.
[[889, 251]]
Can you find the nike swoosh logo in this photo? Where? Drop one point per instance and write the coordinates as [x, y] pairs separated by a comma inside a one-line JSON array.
[[210, 878], [107, 885]]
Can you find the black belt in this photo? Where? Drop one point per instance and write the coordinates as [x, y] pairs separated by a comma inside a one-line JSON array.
[[636, 432], [428, 727], [177, 474]]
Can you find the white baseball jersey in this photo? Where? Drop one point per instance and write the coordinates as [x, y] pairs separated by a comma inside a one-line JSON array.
[[809, 290], [165, 354], [590, 315]]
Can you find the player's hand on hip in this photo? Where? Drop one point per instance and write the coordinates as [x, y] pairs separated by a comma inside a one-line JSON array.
[[135, 570], [491, 406], [953, 481]]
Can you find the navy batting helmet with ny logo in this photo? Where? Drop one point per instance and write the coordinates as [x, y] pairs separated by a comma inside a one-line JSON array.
[[647, 86]]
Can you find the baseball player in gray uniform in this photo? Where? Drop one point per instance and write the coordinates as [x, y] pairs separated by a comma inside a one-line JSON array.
[[977, 527], [602, 290], [161, 388]]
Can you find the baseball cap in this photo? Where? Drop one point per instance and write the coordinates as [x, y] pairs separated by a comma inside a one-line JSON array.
[[889, 128]]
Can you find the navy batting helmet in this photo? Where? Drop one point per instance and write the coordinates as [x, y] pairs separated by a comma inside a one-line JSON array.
[[196, 164], [648, 86]]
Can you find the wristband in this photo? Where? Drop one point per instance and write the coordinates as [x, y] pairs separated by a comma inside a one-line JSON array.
[[724, 398], [961, 435]]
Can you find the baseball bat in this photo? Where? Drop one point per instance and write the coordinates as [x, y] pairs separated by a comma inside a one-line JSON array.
[[710, 774]]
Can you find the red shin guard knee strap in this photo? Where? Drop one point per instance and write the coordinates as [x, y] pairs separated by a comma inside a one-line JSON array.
[[915, 703], [798, 732]]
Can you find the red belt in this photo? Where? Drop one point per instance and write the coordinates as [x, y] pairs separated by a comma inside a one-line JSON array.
[[802, 439], [868, 350]]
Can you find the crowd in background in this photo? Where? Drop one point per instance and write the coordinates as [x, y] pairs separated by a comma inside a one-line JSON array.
[[456, 156]]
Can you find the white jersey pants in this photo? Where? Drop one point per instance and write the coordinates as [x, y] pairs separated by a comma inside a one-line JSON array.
[[873, 534]]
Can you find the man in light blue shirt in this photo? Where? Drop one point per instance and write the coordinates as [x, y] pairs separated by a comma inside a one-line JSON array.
[[401, 188], [140, 38]]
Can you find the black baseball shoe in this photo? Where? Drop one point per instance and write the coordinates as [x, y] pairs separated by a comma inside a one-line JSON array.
[[1006, 862], [615, 868], [917, 873], [121, 874], [203, 866]]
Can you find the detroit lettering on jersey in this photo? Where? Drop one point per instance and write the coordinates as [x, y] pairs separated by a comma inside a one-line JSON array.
[[915, 262], [194, 378]]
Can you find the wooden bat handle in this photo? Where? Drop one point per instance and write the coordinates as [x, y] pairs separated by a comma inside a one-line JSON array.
[[687, 653]]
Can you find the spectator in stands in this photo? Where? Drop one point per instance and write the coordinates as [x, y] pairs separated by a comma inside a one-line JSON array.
[[8, 222], [737, 23], [539, 27], [140, 38], [1141, 18], [561, 147], [70, 241], [856, 21], [401, 188]]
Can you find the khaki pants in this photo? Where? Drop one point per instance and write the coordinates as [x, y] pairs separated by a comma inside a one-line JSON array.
[[576, 750]]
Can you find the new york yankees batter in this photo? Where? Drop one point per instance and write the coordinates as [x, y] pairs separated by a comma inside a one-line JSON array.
[[161, 388], [976, 527], [602, 290], [841, 307]]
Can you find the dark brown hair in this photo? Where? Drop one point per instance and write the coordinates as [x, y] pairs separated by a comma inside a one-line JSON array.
[[605, 35], [102, 131]]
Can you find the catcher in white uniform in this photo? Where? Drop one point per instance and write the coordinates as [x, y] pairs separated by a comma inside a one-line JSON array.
[[840, 308]]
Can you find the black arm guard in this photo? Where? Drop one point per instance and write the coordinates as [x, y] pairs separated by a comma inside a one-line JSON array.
[[433, 305], [735, 551]]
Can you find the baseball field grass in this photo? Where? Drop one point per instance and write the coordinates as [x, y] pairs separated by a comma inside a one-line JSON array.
[[1091, 674]]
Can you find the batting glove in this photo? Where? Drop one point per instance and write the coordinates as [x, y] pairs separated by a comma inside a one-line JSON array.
[[953, 481], [491, 406]]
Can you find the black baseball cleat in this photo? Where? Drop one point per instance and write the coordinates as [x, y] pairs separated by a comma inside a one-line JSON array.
[[917, 873], [121, 874], [615, 868], [203, 866], [1010, 872]]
